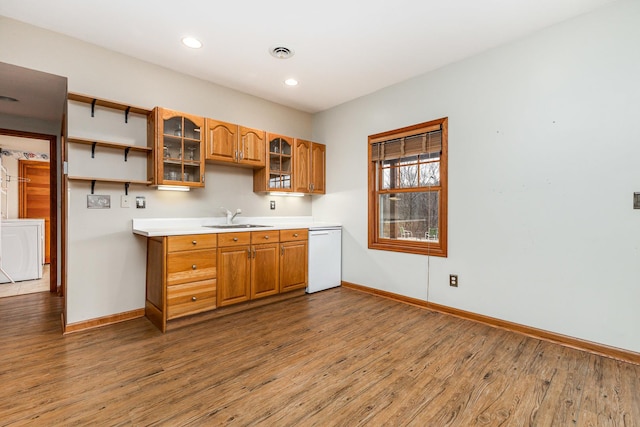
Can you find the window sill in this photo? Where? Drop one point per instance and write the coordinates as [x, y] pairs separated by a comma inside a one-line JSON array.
[[418, 247]]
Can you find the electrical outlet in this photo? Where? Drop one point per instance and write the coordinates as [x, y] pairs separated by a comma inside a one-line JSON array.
[[272, 204], [125, 201], [453, 280]]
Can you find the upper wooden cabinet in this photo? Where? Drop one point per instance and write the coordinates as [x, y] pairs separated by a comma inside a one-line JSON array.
[[277, 175], [309, 170], [178, 150], [230, 143]]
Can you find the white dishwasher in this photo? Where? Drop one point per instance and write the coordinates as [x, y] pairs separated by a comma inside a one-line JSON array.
[[325, 258]]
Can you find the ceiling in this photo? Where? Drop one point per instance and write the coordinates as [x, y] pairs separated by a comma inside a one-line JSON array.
[[343, 49]]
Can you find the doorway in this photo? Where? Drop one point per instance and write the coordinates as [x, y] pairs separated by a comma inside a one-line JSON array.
[[37, 198]]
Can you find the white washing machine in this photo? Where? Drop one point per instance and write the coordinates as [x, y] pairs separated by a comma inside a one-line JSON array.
[[22, 249]]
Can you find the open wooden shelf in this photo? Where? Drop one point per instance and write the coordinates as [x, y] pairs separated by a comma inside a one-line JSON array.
[[111, 180], [93, 180], [108, 144], [107, 103]]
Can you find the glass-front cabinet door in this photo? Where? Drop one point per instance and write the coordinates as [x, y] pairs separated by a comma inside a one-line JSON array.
[[179, 149], [280, 165]]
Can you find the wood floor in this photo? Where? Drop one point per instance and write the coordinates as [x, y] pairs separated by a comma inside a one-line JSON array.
[[335, 358]]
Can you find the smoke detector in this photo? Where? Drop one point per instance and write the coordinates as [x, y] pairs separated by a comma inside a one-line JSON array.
[[281, 52]]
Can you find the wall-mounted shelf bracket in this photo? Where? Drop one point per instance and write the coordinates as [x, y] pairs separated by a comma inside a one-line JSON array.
[[93, 185], [126, 188], [93, 149], [126, 114], [93, 107], [126, 153]]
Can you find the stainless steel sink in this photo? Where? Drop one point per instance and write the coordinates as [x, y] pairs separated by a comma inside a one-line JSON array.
[[236, 226]]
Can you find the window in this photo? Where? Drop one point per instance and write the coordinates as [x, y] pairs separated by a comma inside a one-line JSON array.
[[408, 189]]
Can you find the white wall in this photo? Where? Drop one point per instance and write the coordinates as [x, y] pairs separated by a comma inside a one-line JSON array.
[[106, 262], [543, 162]]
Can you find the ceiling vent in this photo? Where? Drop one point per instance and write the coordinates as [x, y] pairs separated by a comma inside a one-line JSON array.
[[281, 52]]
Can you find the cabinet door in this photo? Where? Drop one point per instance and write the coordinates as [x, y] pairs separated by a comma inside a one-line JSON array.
[[318, 168], [278, 170], [293, 265], [221, 141], [234, 274], [179, 154], [264, 270], [302, 170], [251, 147]]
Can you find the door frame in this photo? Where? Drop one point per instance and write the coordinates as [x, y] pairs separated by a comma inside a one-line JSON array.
[[54, 190]]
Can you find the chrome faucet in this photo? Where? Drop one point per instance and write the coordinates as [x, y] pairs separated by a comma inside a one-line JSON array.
[[230, 215]]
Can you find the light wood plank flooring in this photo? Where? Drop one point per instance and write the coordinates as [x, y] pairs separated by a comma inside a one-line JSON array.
[[26, 286], [335, 358]]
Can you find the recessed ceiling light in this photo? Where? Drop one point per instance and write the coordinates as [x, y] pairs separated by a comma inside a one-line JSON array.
[[291, 82], [192, 42]]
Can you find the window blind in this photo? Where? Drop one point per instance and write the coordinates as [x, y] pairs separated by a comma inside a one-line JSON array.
[[407, 146]]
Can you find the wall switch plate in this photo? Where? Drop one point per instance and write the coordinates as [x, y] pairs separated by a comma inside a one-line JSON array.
[[636, 200], [141, 203], [272, 204], [125, 201], [453, 280]]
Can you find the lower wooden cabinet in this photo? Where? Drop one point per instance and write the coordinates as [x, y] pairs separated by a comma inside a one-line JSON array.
[[197, 273], [248, 266], [293, 259], [181, 277], [258, 264]]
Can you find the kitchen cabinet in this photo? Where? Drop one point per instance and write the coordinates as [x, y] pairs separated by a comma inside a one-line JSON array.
[[265, 262], [248, 266], [181, 277], [277, 175], [178, 148], [309, 171], [293, 259], [231, 143]]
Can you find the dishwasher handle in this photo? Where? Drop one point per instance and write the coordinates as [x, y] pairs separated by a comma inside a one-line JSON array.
[[318, 233]]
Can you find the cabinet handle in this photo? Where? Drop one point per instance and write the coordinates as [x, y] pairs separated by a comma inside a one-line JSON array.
[[311, 187], [194, 299], [194, 242], [235, 239], [266, 237], [193, 267], [242, 152], [254, 253], [295, 234], [249, 253], [281, 250]]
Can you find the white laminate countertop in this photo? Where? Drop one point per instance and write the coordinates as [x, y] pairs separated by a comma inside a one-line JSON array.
[[154, 227]]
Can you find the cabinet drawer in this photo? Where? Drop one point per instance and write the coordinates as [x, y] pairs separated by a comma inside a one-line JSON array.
[[191, 241], [294, 234], [234, 239], [189, 266], [267, 236], [190, 298]]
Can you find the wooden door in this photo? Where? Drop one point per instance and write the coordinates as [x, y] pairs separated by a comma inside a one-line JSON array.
[[264, 270], [302, 168], [34, 197], [293, 265], [221, 141], [234, 275], [318, 168], [252, 147]]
